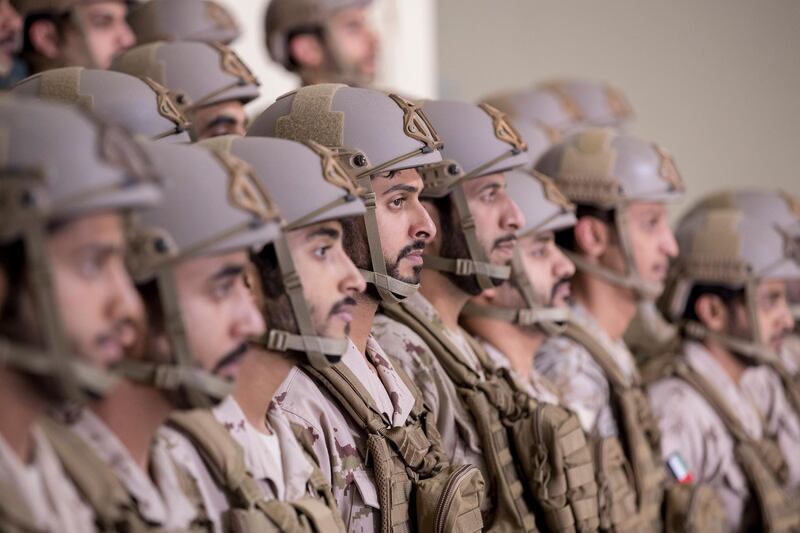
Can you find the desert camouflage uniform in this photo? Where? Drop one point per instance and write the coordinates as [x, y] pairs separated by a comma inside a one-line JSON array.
[[259, 458], [460, 438], [583, 385], [537, 386], [339, 444], [691, 427], [52, 500], [160, 501]]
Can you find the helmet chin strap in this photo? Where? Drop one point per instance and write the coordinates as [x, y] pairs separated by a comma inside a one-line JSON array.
[[321, 351], [748, 349], [390, 289], [551, 320], [187, 384], [478, 264]]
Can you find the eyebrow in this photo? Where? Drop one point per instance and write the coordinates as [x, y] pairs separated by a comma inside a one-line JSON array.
[[400, 187], [228, 271], [324, 232], [491, 186]]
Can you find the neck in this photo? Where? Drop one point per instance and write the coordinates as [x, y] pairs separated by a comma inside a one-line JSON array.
[[22, 406], [363, 316], [727, 360], [261, 375], [612, 307], [519, 344], [446, 298], [144, 404]]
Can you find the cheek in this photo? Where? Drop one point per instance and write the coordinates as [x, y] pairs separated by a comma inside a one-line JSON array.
[[393, 229], [540, 276], [205, 326]]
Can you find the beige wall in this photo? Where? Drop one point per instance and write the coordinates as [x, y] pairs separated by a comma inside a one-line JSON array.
[[717, 82]]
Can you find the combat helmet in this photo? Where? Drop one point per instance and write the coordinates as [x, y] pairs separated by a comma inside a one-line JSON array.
[[206, 21]]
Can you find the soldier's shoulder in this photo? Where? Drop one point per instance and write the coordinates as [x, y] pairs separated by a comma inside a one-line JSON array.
[[562, 352], [398, 340]]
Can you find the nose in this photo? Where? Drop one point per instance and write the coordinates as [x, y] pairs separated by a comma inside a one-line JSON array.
[[351, 281], [422, 227], [669, 245], [126, 37], [126, 305], [248, 321], [513, 219], [563, 268]]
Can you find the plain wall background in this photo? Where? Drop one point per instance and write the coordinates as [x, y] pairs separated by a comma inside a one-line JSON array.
[[716, 82]]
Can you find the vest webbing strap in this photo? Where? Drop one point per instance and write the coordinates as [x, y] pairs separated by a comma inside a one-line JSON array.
[[224, 458], [639, 430], [95, 480], [777, 511], [487, 416]]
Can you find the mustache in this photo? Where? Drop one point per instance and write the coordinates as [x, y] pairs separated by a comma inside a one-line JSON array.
[[560, 283], [232, 357], [413, 247], [126, 327], [349, 301], [504, 239]]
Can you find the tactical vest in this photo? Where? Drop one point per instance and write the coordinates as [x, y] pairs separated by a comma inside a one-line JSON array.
[[408, 460], [761, 461], [114, 508], [15, 516], [640, 447], [249, 510], [534, 452]]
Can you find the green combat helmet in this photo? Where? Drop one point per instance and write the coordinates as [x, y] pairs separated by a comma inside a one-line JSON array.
[[480, 141], [545, 209], [56, 164], [140, 105], [212, 205], [373, 133], [311, 186], [605, 170], [183, 20]]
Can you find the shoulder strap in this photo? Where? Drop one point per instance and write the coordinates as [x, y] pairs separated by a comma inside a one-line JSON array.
[[95, 480], [447, 353], [222, 455], [599, 353], [14, 513]]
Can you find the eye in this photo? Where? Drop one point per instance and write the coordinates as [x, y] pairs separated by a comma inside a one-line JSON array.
[[398, 202], [322, 252], [222, 288], [538, 252]]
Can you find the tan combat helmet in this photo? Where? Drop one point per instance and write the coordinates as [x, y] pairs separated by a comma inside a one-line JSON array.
[[212, 204], [141, 106], [310, 186], [594, 103], [605, 170], [196, 74], [57, 164], [538, 138], [733, 248], [540, 106], [776, 207], [183, 20], [545, 209], [285, 18], [373, 133], [478, 140]]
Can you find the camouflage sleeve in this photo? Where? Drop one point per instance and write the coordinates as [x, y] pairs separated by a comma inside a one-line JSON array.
[[685, 427], [409, 352], [581, 383]]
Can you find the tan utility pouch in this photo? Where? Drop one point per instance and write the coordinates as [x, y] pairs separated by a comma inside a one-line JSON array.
[[412, 478], [616, 493], [249, 511], [553, 452], [693, 508]]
